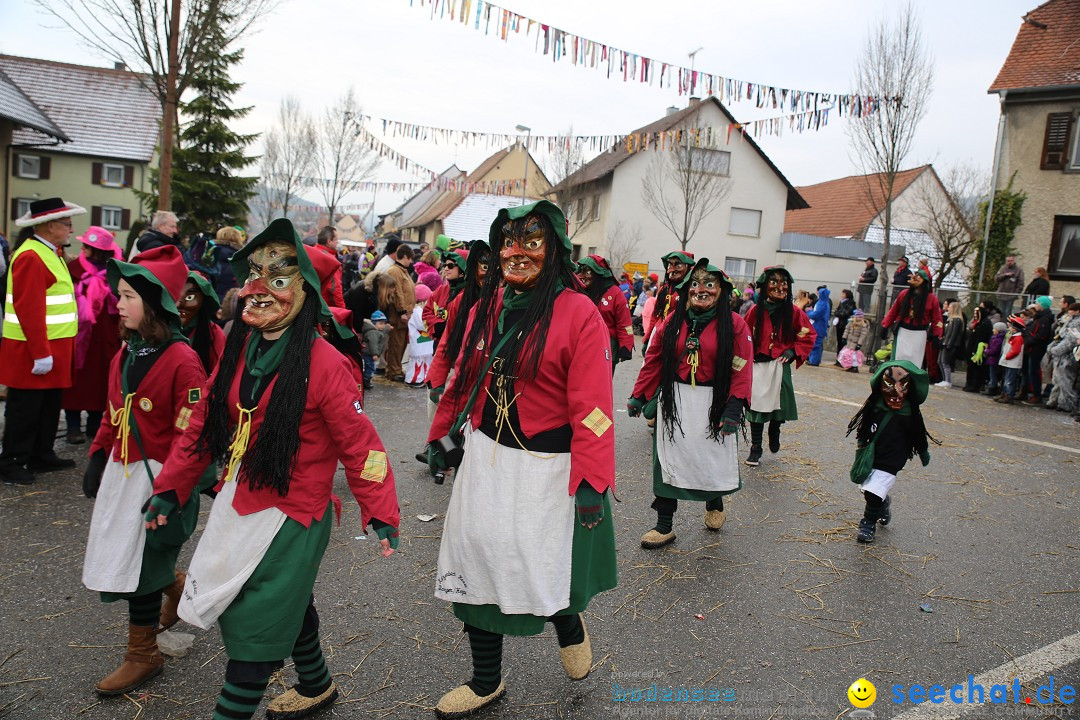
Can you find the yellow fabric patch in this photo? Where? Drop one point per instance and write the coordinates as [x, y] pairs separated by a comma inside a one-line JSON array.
[[374, 467], [629, 329], [183, 419], [804, 331], [737, 363], [597, 421]]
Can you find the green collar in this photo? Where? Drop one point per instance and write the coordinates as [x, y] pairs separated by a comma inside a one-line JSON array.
[[263, 364], [513, 300]]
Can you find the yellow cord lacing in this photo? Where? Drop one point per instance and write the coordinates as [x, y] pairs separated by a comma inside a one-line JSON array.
[[121, 419], [240, 440], [693, 359], [502, 416]]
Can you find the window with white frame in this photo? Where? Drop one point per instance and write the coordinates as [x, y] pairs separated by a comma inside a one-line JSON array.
[[111, 217], [112, 175], [22, 206], [570, 211], [29, 166], [595, 207], [710, 162], [1074, 161], [740, 267], [745, 222]]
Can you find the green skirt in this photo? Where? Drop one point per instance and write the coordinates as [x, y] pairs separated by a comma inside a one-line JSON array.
[[788, 410], [264, 620], [662, 489], [158, 569], [592, 571]]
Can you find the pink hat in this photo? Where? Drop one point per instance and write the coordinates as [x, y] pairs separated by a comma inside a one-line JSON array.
[[423, 292], [100, 239]]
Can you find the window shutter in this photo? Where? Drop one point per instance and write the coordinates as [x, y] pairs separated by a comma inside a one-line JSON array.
[[125, 219], [129, 177], [15, 166], [95, 214], [14, 209], [95, 177], [46, 166], [1056, 142]]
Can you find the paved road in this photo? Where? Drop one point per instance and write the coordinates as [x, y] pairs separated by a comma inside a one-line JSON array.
[[779, 612]]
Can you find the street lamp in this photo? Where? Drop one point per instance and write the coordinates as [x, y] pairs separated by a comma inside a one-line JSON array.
[[528, 136]]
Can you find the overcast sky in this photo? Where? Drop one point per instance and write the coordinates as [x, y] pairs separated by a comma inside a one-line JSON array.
[[405, 66]]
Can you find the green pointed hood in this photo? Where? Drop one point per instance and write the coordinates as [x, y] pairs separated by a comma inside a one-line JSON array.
[[544, 207], [703, 264], [920, 381], [282, 230], [598, 265], [205, 287]]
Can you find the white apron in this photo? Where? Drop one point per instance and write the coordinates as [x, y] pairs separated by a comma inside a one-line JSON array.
[[879, 483], [509, 530], [114, 549], [231, 547], [910, 346], [765, 393], [696, 462]]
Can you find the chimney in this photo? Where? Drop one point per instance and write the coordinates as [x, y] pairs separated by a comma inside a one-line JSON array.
[[694, 101], [671, 111], [119, 66]]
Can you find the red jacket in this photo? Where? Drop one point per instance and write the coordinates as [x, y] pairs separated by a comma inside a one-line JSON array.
[[931, 315], [333, 427], [162, 406], [29, 280], [440, 364], [435, 311], [331, 289], [766, 344], [742, 365], [572, 387], [616, 316]]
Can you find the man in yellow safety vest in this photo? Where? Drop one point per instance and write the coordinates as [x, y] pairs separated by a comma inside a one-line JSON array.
[[37, 355]]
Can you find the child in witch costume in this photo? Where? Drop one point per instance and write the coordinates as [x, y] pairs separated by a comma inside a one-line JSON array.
[[890, 431], [281, 410], [602, 288], [155, 381], [697, 373], [532, 402], [436, 312], [198, 307], [782, 335], [677, 264]]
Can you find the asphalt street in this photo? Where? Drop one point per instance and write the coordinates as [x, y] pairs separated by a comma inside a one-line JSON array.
[[776, 615]]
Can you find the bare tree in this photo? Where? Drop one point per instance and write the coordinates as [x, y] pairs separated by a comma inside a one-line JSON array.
[[622, 242], [575, 197], [289, 151], [949, 210], [684, 185], [896, 68], [342, 159], [565, 159], [163, 39]]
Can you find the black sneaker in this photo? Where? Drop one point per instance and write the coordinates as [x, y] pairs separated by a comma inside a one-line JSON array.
[[886, 512], [866, 531], [49, 464], [16, 475], [754, 459]]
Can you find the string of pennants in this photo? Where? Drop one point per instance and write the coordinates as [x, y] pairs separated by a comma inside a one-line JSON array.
[[635, 67]]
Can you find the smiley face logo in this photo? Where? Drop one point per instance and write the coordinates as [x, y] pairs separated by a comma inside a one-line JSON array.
[[862, 693]]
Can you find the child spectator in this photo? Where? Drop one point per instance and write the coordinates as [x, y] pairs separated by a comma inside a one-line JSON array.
[[1012, 358], [376, 332], [855, 334], [992, 356], [421, 348], [1061, 352]]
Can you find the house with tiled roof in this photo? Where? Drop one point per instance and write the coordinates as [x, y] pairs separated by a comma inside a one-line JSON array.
[[845, 224], [510, 172], [603, 199], [1039, 140], [86, 134]]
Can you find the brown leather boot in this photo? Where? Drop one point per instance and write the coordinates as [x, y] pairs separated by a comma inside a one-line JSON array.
[[169, 616], [141, 663]]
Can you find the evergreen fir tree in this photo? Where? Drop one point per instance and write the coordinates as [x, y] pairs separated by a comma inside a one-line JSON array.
[[206, 192]]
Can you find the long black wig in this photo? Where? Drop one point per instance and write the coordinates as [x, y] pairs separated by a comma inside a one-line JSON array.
[[200, 338], [527, 348], [599, 286], [864, 425], [271, 457], [721, 382], [454, 336], [782, 313], [919, 308]]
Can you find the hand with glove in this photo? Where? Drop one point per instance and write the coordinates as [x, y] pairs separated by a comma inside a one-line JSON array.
[[435, 394], [158, 507], [624, 354], [924, 455], [634, 406], [435, 460], [732, 417], [884, 333], [590, 505], [388, 536], [788, 356], [42, 366], [935, 342], [91, 479], [977, 358]]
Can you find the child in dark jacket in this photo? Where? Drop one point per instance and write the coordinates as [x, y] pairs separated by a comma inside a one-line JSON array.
[[376, 332], [992, 355]]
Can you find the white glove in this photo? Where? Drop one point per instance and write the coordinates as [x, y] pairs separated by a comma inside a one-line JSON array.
[[42, 366]]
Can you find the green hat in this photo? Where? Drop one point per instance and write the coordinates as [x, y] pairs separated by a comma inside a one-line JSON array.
[[683, 257], [205, 287], [1044, 301], [598, 265], [774, 268], [703, 264], [443, 242], [282, 230], [458, 256], [925, 275], [920, 381], [543, 207], [162, 268]]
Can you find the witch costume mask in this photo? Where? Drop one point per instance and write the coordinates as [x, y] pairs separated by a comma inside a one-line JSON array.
[[777, 287], [705, 289], [191, 302], [274, 291], [522, 252], [676, 270], [894, 387]]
